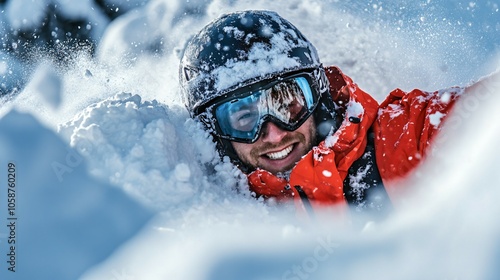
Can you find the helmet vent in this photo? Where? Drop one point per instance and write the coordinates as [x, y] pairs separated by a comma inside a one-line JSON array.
[[189, 73]]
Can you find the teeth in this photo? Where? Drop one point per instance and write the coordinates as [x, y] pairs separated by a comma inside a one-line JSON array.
[[281, 154]]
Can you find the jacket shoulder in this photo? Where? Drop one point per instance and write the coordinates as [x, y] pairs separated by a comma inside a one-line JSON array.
[[406, 125]]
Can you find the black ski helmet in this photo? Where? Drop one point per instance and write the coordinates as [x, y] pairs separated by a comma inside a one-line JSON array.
[[243, 48]]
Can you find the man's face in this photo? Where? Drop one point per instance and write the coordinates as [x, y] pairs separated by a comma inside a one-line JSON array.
[[278, 150]]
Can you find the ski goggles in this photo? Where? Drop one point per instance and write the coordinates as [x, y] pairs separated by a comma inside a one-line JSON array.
[[287, 102]]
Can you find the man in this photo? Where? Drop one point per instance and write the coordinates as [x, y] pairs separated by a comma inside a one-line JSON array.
[[299, 130]]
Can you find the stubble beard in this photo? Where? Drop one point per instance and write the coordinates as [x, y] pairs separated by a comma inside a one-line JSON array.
[[287, 140]]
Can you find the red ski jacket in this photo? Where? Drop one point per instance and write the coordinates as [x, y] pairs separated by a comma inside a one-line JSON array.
[[404, 125]]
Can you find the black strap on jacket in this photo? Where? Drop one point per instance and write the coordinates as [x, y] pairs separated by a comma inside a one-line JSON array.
[[363, 187]]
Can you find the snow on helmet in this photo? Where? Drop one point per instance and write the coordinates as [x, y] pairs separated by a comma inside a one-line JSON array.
[[244, 48]]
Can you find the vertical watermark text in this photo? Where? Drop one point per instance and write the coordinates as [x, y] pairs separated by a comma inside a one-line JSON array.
[[12, 217]]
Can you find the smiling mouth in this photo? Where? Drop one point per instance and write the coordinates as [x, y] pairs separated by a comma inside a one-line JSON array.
[[281, 154]]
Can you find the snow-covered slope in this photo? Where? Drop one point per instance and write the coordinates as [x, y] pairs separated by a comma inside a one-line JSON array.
[[57, 219]]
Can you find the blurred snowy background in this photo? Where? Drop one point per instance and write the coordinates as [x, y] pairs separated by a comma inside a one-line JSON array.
[[112, 175]]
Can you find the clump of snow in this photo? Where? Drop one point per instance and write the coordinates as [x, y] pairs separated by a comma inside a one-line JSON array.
[[261, 59], [358, 186], [125, 5], [435, 119], [396, 248], [154, 152]]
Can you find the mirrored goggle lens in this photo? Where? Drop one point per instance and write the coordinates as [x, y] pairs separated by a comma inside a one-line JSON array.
[[288, 102]]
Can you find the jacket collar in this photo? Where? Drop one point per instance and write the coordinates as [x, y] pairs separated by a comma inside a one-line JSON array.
[[343, 147]]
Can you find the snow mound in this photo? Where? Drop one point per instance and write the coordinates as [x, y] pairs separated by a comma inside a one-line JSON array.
[[64, 220], [445, 225], [153, 151]]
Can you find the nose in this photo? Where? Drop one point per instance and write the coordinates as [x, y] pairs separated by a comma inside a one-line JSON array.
[[272, 133]]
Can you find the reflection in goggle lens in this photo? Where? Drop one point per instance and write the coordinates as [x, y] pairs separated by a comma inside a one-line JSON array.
[[289, 102]]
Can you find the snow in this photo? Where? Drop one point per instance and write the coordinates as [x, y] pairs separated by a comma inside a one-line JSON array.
[[327, 173], [262, 59], [46, 82], [435, 119], [67, 220], [396, 110], [115, 181], [21, 18], [141, 146], [358, 186], [354, 109], [331, 139], [9, 72], [241, 62]]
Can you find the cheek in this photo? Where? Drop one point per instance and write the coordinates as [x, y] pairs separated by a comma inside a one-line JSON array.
[[308, 129], [242, 150]]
